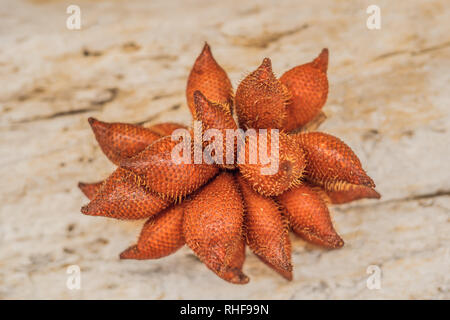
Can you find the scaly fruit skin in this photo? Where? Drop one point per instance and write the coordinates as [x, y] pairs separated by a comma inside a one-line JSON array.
[[120, 197], [161, 174], [321, 62], [119, 141], [291, 163], [261, 99], [214, 116], [330, 162], [218, 215], [351, 193], [161, 236], [308, 85], [208, 77], [233, 272], [166, 128], [266, 229], [212, 225], [309, 217], [161, 129], [90, 189]]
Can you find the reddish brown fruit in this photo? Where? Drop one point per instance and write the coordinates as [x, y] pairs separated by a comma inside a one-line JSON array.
[[215, 116], [212, 115], [161, 236], [288, 155], [90, 189], [330, 162], [321, 62], [314, 124], [208, 77], [121, 140], [213, 226], [308, 86], [261, 99], [166, 128], [309, 217], [351, 193], [266, 230], [120, 197], [234, 272], [161, 174]]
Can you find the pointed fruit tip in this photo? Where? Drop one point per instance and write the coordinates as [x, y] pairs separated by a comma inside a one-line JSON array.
[[97, 124], [264, 71], [236, 276], [92, 120], [206, 47], [323, 56], [89, 210], [375, 194], [370, 193], [287, 275], [335, 242], [266, 64], [321, 61], [285, 270], [85, 209], [129, 253], [367, 181], [240, 279], [206, 53]]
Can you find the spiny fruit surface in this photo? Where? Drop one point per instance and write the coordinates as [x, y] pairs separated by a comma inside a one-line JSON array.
[[90, 189], [217, 119], [308, 85], [309, 217], [266, 229], [352, 192], [166, 128], [121, 198], [331, 163], [162, 175], [208, 77], [121, 140], [233, 273], [212, 115], [217, 212], [321, 62], [287, 155], [161, 236], [213, 221], [261, 99]]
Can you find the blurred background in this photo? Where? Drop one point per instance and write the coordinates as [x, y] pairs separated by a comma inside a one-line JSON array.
[[389, 100]]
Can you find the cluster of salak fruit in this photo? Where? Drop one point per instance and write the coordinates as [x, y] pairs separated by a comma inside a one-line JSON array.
[[218, 210]]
